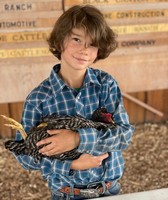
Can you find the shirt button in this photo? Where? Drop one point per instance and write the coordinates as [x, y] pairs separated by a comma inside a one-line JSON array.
[[78, 97], [71, 172]]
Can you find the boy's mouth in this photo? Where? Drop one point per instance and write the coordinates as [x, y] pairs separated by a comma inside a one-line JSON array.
[[80, 59]]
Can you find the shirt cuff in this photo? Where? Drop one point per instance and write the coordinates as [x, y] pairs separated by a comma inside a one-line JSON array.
[[27, 162], [88, 138]]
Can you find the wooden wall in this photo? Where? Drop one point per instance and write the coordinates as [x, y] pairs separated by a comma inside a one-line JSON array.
[[140, 64]]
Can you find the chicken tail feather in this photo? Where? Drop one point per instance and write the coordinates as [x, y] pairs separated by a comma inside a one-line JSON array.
[[17, 147], [15, 125]]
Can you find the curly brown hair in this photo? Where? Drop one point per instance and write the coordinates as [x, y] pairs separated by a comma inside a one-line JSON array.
[[91, 20]]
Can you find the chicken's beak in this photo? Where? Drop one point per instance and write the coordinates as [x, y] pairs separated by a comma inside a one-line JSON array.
[[43, 124]]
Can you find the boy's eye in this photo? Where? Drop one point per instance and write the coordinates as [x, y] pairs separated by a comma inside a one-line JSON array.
[[76, 39], [92, 45]]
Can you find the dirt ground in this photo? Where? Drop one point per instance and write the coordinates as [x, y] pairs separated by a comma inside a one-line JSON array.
[[146, 167]]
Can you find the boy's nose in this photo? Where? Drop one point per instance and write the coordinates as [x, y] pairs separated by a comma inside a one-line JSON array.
[[83, 51], [84, 48], [86, 45]]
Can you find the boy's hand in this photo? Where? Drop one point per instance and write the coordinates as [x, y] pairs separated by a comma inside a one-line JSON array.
[[61, 140], [87, 161]]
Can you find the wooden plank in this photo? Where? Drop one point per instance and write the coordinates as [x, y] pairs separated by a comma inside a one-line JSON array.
[[136, 113], [126, 55], [141, 50], [140, 28], [124, 41], [24, 36], [141, 22], [128, 44], [142, 104], [24, 52], [157, 99], [123, 17], [27, 23], [134, 41], [16, 110], [5, 132], [33, 21], [34, 15], [15, 113], [142, 72], [137, 48], [164, 107], [108, 3], [139, 74], [120, 30], [29, 6], [31, 1], [20, 80], [139, 6], [135, 14]]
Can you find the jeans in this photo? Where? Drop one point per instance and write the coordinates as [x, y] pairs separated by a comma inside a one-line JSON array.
[[113, 190]]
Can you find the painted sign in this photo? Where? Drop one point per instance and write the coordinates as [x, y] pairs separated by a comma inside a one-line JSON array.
[[142, 28], [136, 43], [8, 7], [27, 52], [69, 3], [132, 14], [29, 36]]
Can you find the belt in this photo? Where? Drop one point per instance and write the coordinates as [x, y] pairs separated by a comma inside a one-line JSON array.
[[78, 191]]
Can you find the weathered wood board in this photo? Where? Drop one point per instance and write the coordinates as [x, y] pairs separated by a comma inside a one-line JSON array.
[[143, 73], [10, 6], [111, 3], [20, 78], [140, 62]]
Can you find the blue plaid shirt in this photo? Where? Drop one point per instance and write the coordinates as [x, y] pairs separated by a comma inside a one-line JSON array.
[[54, 96]]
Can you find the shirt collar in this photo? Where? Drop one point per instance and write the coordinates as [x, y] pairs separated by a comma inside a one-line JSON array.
[[57, 84], [91, 77]]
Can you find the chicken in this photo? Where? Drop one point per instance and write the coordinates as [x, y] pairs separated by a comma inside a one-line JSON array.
[[101, 120]]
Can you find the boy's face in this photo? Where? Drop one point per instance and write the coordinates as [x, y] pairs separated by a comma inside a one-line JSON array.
[[78, 52]]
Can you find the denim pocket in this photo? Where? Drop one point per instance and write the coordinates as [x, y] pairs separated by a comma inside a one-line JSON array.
[[57, 196], [113, 190]]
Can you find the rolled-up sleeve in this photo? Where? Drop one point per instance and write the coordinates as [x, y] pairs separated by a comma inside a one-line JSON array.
[[88, 139], [97, 142], [119, 138]]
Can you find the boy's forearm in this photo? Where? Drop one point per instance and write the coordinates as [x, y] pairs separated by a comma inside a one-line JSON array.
[[87, 161], [77, 139]]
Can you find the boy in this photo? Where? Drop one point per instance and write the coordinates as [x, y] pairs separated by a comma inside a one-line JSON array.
[[79, 38]]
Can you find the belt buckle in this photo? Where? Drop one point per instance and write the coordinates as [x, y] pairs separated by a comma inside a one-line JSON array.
[[89, 193], [95, 185]]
